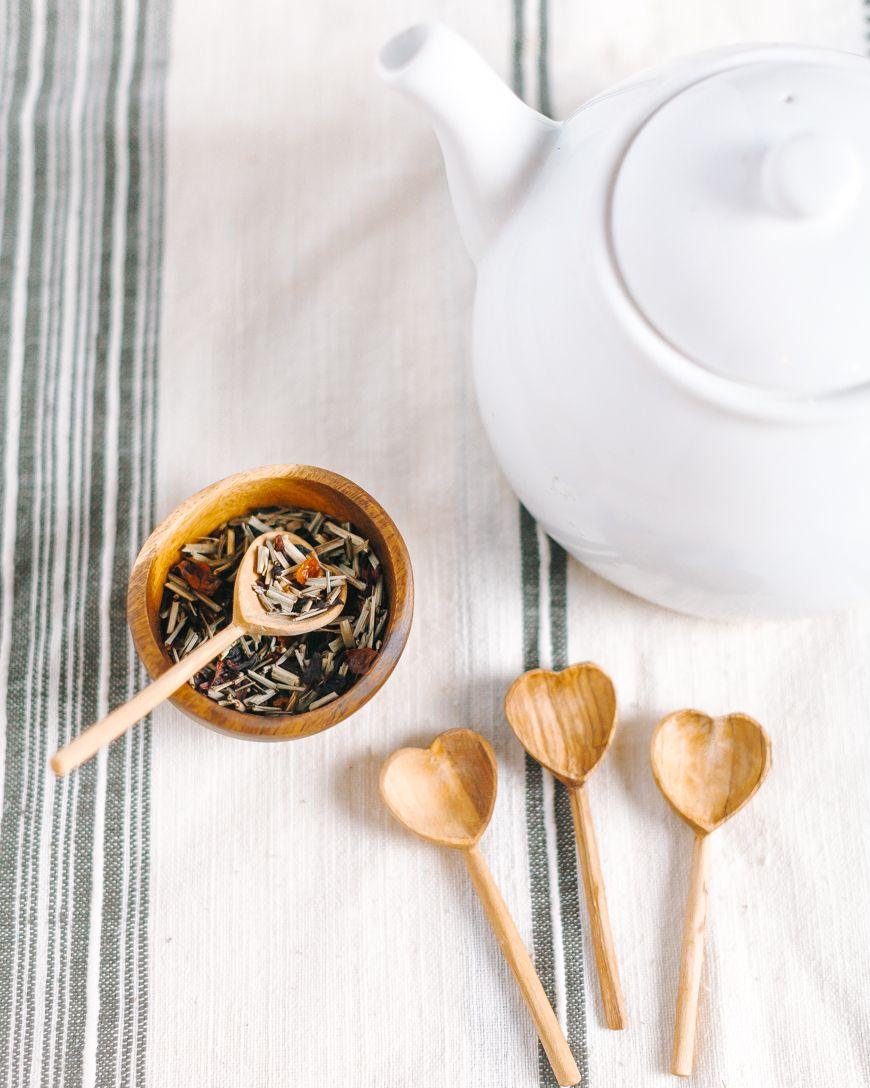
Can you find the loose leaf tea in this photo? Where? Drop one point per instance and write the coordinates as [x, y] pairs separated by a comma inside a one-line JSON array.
[[263, 674]]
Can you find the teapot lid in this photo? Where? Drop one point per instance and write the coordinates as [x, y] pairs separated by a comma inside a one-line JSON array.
[[740, 222]]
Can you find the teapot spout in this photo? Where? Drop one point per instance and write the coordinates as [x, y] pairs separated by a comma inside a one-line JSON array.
[[492, 142]]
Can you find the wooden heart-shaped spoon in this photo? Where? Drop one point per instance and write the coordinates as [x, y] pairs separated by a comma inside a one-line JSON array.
[[566, 721], [249, 618], [445, 793], [707, 768]]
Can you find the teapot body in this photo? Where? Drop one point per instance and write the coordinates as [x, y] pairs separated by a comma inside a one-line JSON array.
[[670, 328], [696, 492]]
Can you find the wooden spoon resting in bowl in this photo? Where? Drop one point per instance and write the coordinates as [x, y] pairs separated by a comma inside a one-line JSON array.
[[566, 721], [445, 793], [708, 769], [249, 618]]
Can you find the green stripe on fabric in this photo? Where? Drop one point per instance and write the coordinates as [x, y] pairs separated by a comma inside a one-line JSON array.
[[60, 884], [81, 658], [539, 865], [72, 1073], [16, 919], [92, 649], [566, 851], [55, 265], [566, 875], [60, 985], [159, 16], [64, 470], [136, 967], [517, 80], [43, 332], [137, 255], [56, 492], [530, 569], [114, 1039], [569, 883], [544, 102], [530, 561]]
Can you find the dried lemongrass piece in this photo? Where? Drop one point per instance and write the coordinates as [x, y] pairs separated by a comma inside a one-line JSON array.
[[323, 700]]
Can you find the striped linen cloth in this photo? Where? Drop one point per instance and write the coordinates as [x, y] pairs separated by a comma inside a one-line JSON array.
[[245, 256]]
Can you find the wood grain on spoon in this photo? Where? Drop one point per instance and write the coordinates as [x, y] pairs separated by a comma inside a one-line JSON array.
[[249, 617], [566, 721], [446, 793], [708, 769]]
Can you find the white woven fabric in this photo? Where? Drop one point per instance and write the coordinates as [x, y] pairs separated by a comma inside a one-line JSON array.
[[316, 306]]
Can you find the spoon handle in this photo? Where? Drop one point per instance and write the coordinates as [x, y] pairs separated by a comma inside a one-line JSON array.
[[549, 1031], [111, 727], [691, 962], [596, 905]]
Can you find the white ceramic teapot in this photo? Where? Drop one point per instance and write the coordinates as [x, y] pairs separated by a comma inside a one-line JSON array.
[[672, 322]]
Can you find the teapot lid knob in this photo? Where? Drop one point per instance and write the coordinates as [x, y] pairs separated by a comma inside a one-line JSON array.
[[811, 174]]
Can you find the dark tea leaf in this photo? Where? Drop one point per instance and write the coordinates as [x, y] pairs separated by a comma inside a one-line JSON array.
[[360, 660], [198, 576]]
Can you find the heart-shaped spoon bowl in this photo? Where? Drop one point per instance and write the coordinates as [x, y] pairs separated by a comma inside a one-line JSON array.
[[444, 793], [565, 720], [708, 768]]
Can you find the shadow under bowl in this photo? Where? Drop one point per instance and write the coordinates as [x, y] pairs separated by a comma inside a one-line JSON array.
[[275, 485]]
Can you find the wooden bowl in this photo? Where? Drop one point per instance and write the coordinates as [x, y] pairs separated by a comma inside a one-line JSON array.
[[275, 485]]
